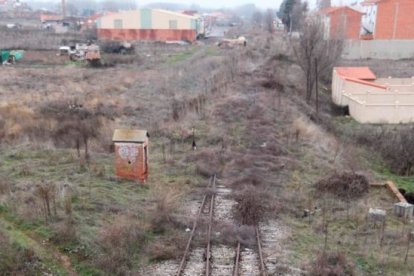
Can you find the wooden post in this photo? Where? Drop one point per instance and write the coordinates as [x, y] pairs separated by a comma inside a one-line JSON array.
[[410, 236], [317, 86]]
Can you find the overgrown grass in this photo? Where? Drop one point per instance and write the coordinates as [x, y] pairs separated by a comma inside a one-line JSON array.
[[182, 56]]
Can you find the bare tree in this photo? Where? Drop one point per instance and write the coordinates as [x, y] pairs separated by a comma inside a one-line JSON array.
[[269, 20], [323, 4], [76, 124], [257, 18], [46, 192], [311, 47]]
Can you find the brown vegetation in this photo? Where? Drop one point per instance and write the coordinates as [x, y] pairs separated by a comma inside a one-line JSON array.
[[344, 185], [250, 208], [121, 241], [332, 263]]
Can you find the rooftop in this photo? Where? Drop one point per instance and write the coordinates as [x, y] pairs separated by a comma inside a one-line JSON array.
[[331, 10], [130, 135], [361, 73]]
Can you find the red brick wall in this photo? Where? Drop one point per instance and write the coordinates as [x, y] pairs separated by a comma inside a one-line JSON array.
[[346, 24], [149, 35], [132, 168], [395, 20]]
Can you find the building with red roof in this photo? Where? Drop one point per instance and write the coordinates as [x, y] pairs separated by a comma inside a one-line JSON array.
[[341, 22]]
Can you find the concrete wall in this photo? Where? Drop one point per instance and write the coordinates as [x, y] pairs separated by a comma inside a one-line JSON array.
[[379, 49], [380, 109], [383, 101], [342, 86]]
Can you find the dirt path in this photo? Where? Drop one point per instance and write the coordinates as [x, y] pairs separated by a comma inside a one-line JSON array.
[[57, 262]]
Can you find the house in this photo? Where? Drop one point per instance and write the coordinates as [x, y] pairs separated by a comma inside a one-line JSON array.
[[341, 22], [388, 19], [131, 154], [150, 25], [373, 100]]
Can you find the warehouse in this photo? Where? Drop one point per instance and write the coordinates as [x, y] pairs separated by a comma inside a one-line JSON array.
[[150, 25]]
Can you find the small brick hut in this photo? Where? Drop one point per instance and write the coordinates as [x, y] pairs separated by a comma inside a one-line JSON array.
[[131, 154]]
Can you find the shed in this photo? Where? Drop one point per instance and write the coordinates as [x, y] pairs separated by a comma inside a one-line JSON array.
[[131, 154], [341, 22]]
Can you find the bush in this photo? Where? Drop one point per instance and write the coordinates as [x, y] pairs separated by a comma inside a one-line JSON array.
[[249, 209], [166, 201], [346, 186], [331, 264], [15, 260], [121, 241]]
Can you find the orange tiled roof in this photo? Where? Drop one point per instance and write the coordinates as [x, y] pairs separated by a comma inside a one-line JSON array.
[[334, 9], [361, 73]]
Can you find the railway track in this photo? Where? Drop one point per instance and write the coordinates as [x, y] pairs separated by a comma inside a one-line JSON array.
[[220, 260]]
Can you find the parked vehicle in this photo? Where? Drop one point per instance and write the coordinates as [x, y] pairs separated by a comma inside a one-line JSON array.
[[81, 51], [116, 47]]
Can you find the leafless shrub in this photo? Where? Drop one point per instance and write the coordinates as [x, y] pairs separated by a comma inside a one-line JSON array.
[[167, 247], [18, 122], [230, 234], [257, 18], [397, 148], [332, 263], [75, 124], [312, 47], [5, 186], [120, 242], [180, 108], [269, 19], [344, 186], [207, 163], [15, 260], [46, 192], [65, 232], [249, 209], [167, 201]]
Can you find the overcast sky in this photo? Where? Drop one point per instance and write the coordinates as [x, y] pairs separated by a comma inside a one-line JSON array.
[[230, 3], [218, 3]]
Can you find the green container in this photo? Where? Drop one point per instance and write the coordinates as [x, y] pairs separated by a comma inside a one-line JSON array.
[[18, 55], [4, 55]]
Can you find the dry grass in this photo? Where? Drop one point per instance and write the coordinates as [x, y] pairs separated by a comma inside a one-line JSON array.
[[331, 263], [121, 241], [166, 204], [346, 185]]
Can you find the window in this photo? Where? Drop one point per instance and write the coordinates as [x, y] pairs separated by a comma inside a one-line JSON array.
[[118, 24], [173, 24]]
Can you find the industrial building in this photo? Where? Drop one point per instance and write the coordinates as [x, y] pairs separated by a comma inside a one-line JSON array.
[[150, 25]]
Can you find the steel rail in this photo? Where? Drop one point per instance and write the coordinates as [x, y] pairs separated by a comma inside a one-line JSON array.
[[263, 271], [195, 223], [210, 223]]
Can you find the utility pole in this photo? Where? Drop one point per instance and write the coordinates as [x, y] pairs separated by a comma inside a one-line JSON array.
[[317, 86], [64, 8]]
